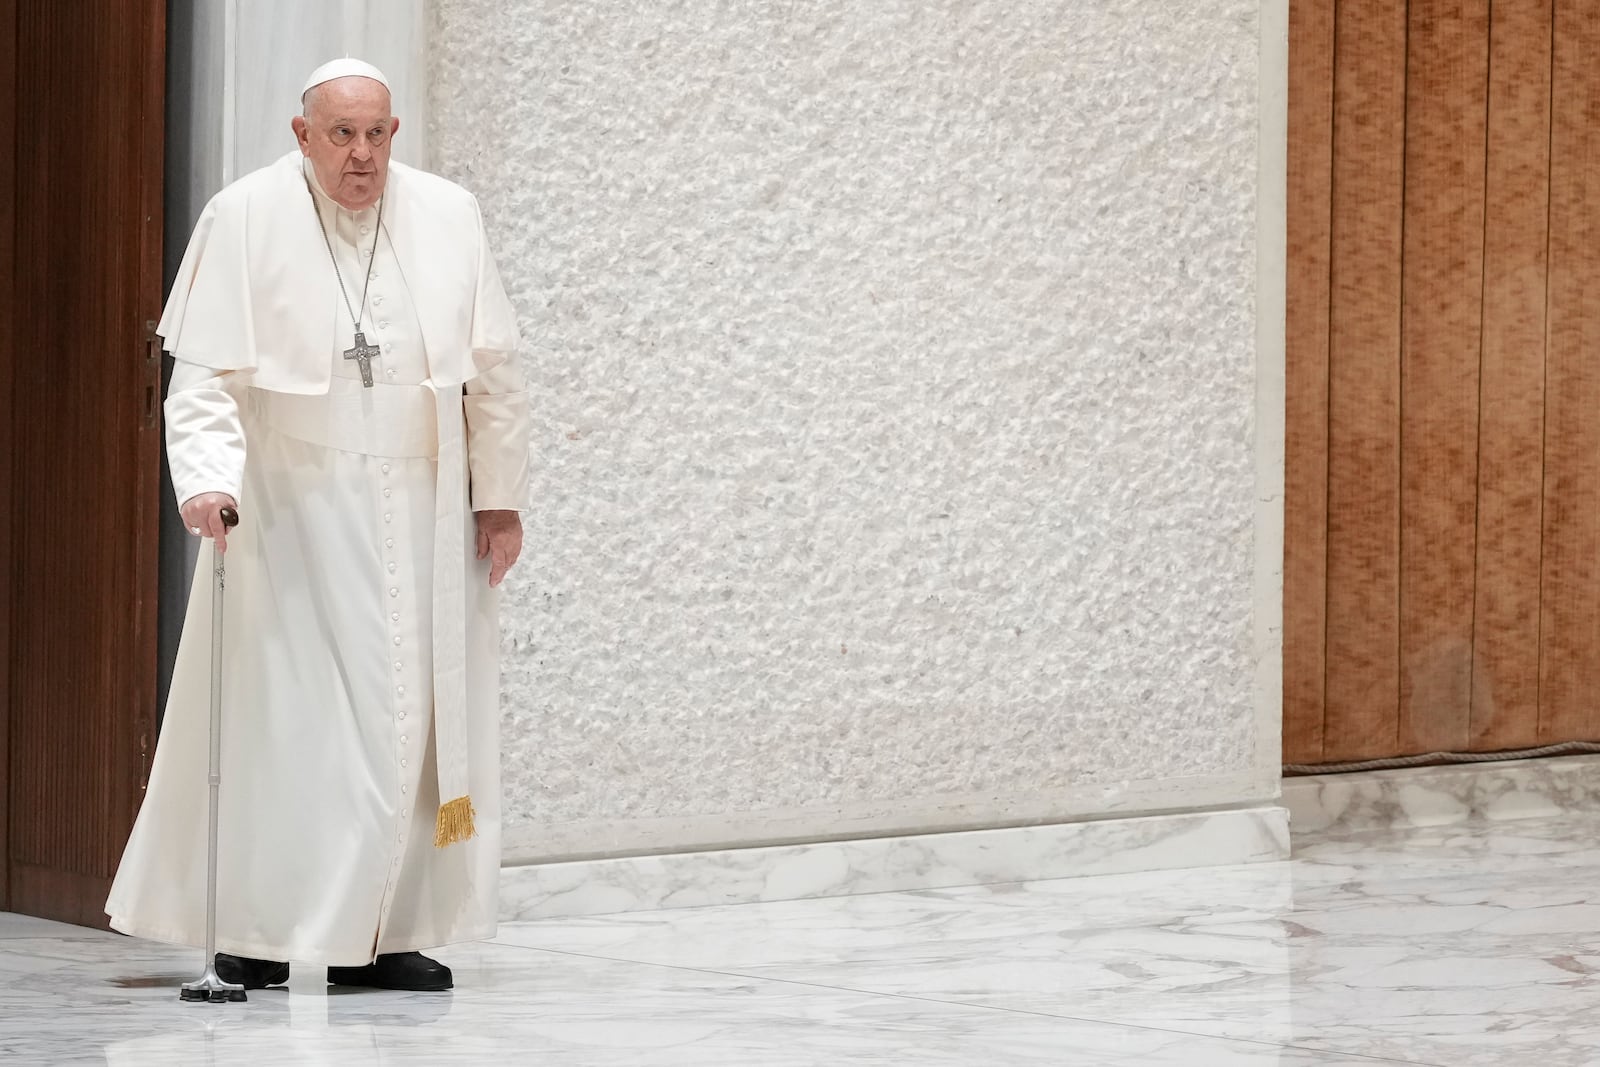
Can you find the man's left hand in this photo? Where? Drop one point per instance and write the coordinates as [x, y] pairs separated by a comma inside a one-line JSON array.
[[499, 541]]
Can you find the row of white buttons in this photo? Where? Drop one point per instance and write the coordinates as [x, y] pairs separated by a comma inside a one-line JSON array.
[[392, 566], [377, 301], [394, 591]]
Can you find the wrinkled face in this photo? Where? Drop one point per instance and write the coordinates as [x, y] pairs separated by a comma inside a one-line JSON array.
[[347, 133]]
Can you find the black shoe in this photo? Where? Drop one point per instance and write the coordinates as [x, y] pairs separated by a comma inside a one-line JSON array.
[[398, 970], [252, 974]]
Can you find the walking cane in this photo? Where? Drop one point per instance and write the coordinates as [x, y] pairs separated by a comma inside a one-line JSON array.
[[209, 988]]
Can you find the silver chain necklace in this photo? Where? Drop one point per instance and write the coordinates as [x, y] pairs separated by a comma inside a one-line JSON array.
[[361, 352]]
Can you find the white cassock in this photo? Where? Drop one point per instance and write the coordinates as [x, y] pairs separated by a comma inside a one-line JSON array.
[[354, 605]]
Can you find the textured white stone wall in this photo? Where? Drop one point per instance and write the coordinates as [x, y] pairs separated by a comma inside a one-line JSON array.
[[895, 366]]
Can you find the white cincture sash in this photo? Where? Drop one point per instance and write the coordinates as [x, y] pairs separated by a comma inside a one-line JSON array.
[[397, 421]]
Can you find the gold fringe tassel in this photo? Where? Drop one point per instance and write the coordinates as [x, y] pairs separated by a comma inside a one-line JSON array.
[[457, 822]]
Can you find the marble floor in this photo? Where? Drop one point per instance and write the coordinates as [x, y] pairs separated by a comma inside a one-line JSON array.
[[1460, 945]]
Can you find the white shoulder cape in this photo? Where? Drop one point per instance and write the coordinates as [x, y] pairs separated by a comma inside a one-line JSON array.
[[256, 291]]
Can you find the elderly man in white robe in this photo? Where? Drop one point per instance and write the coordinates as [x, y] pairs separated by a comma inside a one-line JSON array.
[[346, 377]]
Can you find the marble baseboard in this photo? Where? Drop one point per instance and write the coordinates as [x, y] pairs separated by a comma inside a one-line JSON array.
[[1436, 796], [894, 864]]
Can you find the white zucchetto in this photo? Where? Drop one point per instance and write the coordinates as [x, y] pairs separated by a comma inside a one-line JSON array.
[[344, 68]]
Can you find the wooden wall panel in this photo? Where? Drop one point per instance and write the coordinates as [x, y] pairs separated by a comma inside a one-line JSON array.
[[8, 355], [68, 662], [1305, 579], [1447, 54], [1505, 689], [148, 498], [1570, 597], [1363, 569], [82, 685]]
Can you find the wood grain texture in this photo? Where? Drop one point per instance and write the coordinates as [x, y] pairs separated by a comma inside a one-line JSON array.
[[72, 898], [8, 359], [1447, 56], [1570, 586], [83, 592], [1511, 426], [59, 642], [1363, 569], [148, 148], [1310, 215]]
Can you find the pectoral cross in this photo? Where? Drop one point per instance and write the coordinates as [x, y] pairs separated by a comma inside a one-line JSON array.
[[363, 354]]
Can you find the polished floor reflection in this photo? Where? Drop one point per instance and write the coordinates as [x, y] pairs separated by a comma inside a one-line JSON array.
[[1460, 945]]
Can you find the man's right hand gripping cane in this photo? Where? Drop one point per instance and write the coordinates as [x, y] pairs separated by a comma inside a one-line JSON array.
[[203, 515]]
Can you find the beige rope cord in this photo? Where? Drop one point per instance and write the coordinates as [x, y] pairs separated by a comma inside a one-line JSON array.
[[1394, 762]]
